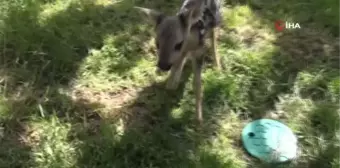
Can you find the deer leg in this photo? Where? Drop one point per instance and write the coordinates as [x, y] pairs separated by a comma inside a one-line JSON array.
[[176, 73], [197, 84], [214, 45], [176, 70]]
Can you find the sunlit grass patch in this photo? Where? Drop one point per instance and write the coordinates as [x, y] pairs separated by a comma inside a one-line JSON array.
[[238, 16], [334, 88], [230, 87], [76, 67], [5, 112], [51, 9], [51, 146], [221, 144]]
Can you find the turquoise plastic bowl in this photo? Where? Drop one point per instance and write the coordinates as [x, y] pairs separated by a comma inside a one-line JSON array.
[[270, 141]]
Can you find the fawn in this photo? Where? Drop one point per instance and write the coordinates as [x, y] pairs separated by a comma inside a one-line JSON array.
[[182, 36]]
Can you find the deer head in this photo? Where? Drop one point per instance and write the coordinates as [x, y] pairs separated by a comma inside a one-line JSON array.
[[171, 35]]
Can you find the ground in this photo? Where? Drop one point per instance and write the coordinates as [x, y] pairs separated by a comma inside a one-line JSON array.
[[78, 86]]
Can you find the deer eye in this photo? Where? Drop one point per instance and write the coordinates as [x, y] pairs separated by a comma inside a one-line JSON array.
[[178, 46]]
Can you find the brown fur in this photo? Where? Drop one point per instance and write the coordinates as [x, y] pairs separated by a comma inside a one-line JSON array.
[[171, 31]]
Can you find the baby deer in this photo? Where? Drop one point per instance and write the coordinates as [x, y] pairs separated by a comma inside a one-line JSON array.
[[182, 36]]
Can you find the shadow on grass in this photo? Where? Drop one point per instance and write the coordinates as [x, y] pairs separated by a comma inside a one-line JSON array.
[[48, 50], [149, 135], [24, 138], [41, 54], [325, 124], [311, 50], [314, 47]]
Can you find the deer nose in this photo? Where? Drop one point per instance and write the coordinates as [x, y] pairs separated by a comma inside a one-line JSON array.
[[164, 66]]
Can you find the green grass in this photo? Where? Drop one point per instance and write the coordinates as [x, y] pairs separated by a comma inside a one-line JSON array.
[[78, 86]]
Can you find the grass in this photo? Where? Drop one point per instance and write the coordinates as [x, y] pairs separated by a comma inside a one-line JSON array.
[[78, 86]]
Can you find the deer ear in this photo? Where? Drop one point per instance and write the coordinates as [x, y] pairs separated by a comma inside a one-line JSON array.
[[155, 16]]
